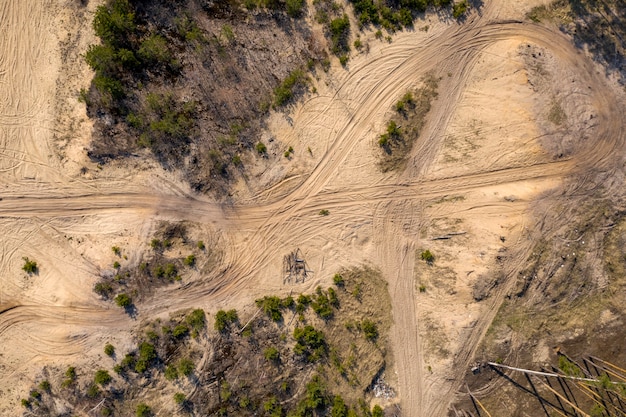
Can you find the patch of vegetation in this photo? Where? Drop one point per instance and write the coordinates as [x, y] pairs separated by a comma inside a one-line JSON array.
[[102, 377], [311, 343], [296, 81], [392, 16], [411, 111], [223, 319], [109, 349], [30, 267], [324, 212], [123, 300], [427, 256], [459, 9]]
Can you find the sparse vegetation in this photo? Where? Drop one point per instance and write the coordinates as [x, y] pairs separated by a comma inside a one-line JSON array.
[[109, 349], [324, 212], [427, 256], [294, 82], [102, 377], [459, 9], [224, 318]]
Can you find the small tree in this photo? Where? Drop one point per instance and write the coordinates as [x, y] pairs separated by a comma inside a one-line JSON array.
[[428, 257], [186, 366], [29, 267], [271, 354], [179, 398], [143, 410], [102, 377], [109, 349], [123, 300], [190, 260]]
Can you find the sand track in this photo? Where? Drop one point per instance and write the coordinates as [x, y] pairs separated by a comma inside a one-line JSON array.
[[387, 209]]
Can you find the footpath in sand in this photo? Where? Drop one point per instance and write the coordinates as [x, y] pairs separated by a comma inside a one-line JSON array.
[[482, 159]]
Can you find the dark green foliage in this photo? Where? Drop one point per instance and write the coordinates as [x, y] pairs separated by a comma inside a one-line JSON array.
[[338, 280], [332, 297], [302, 303], [25, 403], [294, 7], [196, 320], [200, 245], [272, 407], [114, 22], [427, 256], [186, 367], [116, 265], [123, 300], [272, 307], [315, 400], [109, 349], [339, 408], [393, 133], [224, 318], [179, 398], [377, 411], [171, 373], [324, 212], [321, 305], [310, 343], [180, 331], [92, 391], [147, 356], [459, 9], [103, 289], [35, 394], [569, 368], [70, 377], [271, 354], [143, 410], [285, 91], [392, 15], [288, 302], [45, 385], [29, 266], [339, 34], [155, 50], [190, 260], [370, 330], [261, 148], [102, 377]]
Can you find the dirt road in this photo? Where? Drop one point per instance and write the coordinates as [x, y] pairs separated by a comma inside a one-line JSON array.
[[384, 213]]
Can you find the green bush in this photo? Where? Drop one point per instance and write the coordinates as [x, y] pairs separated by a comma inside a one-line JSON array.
[[103, 289], [113, 22], [377, 411], [459, 9], [190, 260], [294, 7], [196, 319], [109, 349], [45, 385], [285, 91], [35, 394], [324, 212], [147, 356], [271, 354], [123, 300], [25, 403], [155, 49], [179, 398], [261, 148], [224, 318], [171, 373], [272, 307], [180, 331], [310, 343], [370, 330], [200, 245], [143, 410], [92, 391], [427, 256], [186, 367], [339, 408], [29, 266], [339, 33], [338, 280], [102, 377]]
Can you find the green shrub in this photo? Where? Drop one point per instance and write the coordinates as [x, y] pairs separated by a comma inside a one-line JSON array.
[[180, 331], [179, 398], [224, 318], [261, 148], [103, 289], [123, 300], [25, 403], [147, 356], [196, 319], [35, 394], [190, 260], [285, 91], [116, 250], [324, 212], [171, 373], [310, 343], [271, 306], [186, 367], [459, 9], [116, 265], [92, 391], [143, 410], [155, 49], [200, 245], [370, 330], [102, 377], [338, 280], [339, 32], [271, 354], [113, 22], [109, 349], [29, 266], [427, 256], [45, 385], [339, 408], [294, 7]]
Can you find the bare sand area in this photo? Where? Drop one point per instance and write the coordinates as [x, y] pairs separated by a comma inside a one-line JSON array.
[[487, 153]]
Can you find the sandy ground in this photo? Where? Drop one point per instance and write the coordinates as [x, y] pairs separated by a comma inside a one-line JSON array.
[[487, 152]]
